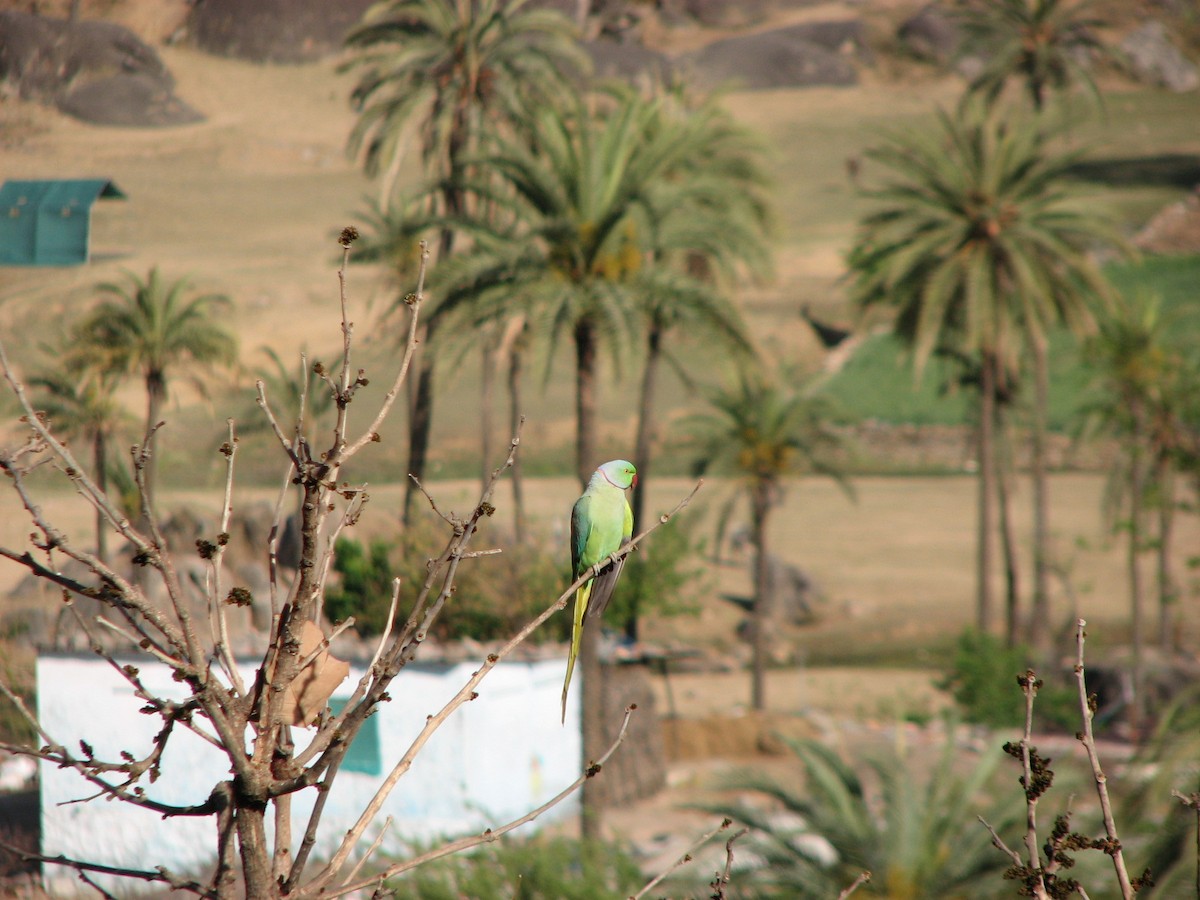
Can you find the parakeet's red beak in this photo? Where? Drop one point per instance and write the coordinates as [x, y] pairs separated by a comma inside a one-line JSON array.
[[635, 479]]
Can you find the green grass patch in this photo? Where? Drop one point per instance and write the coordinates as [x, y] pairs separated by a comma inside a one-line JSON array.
[[878, 382]]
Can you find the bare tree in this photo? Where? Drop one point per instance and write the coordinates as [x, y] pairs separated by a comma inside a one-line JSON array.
[[253, 721]]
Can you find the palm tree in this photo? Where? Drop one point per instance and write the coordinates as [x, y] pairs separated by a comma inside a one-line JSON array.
[[299, 398], [586, 201], [722, 184], [1143, 388], [1042, 44], [152, 327], [911, 822], [581, 200], [451, 71], [84, 405], [980, 247], [760, 433]]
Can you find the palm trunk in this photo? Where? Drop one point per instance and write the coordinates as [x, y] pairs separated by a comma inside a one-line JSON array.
[[1008, 543], [420, 423], [514, 423], [487, 392], [156, 392], [760, 510], [1137, 490], [585, 400], [100, 474], [592, 715], [643, 441], [1167, 593], [592, 698], [984, 598], [1040, 628]]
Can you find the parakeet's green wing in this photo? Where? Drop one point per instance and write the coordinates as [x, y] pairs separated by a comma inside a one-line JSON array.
[[581, 527]]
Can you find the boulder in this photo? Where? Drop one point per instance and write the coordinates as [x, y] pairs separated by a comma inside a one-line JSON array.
[[726, 14], [786, 57], [1175, 229], [1152, 58], [133, 100], [280, 31], [931, 35], [97, 71], [626, 61]]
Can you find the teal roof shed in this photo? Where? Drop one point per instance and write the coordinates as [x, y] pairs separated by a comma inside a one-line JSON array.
[[48, 223]]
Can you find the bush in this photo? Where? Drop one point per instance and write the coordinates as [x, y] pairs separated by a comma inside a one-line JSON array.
[[494, 596], [16, 669], [365, 587], [536, 869], [981, 680]]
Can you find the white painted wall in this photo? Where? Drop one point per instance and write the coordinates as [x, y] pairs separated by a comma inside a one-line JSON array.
[[495, 759]]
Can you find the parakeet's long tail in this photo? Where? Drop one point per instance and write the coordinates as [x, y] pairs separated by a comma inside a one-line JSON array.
[[581, 604]]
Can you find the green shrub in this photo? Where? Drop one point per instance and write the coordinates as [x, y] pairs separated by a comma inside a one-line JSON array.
[[494, 595], [536, 869], [982, 680], [16, 667], [365, 587]]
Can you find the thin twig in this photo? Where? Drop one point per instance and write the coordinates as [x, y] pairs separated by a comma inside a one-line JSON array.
[[387, 628], [1029, 686], [83, 876], [687, 857], [1088, 739], [375, 844], [410, 347], [858, 882], [216, 569], [325, 642], [160, 875], [999, 844], [429, 497], [265, 406], [278, 528], [723, 879], [491, 834]]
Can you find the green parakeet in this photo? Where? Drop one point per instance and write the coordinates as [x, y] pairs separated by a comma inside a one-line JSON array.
[[601, 522]]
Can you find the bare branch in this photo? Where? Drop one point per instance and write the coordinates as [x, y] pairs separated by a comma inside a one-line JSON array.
[[722, 880], [216, 561], [410, 347], [1029, 686], [160, 875], [489, 835], [855, 885], [375, 844], [387, 628], [429, 497], [1087, 712], [288, 446], [683, 860], [466, 693], [999, 844]]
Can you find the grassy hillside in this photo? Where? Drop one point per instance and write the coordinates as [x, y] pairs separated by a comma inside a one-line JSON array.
[[878, 381]]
